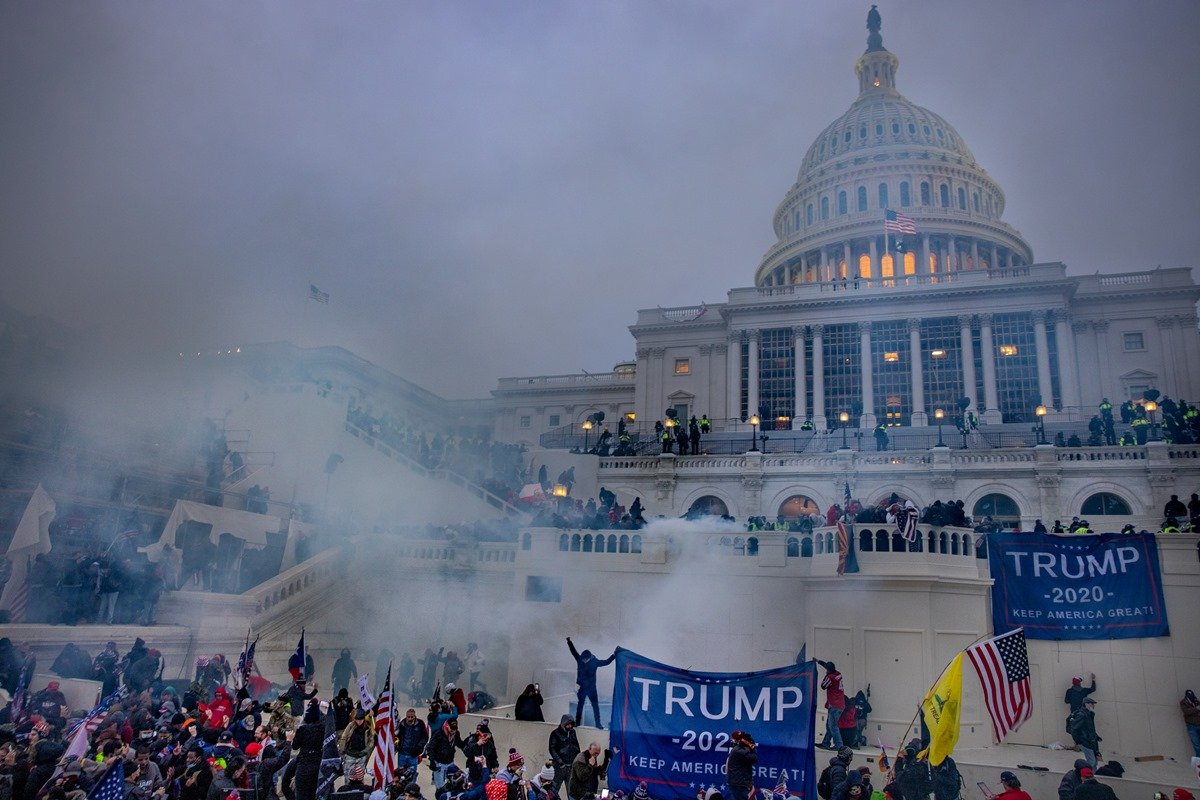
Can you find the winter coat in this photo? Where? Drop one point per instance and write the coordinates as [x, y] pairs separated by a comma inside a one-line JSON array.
[[739, 766], [442, 747], [1094, 790], [579, 782], [1066, 787], [411, 739], [1076, 695], [564, 744]]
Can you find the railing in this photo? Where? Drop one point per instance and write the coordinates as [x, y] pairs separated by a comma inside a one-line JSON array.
[[579, 379], [441, 472], [1133, 453], [1125, 280], [316, 572]]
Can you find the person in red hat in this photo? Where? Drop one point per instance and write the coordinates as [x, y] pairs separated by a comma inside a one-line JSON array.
[[739, 765], [1077, 694], [1012, 788], [1091, 789]]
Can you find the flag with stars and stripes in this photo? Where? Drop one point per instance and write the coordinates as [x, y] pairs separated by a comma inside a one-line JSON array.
[[246, 661], [112, 785], [895, 222], [84, 729], [385, 736], [1002, 664], [781, 789]]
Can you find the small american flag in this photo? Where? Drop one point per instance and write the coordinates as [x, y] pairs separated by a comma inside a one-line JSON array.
[[246, 661], [316, 294], [1002, 664], [895, 222], [112, 785], [781, 789], [385, 736]]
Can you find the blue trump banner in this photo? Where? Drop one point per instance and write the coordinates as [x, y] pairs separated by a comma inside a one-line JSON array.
[[1077, 587], [671, 728]]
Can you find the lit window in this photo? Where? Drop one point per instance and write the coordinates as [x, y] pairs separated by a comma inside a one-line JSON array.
[[1135, 341], [938, 353], [891, 356], [682, 366], [554, 421], [1008, 349], [526, 421]]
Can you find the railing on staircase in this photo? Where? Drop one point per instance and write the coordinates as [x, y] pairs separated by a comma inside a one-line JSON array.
[[443, 473]]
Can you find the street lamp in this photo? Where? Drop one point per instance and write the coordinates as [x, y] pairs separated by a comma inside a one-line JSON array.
[[754, 421], [844, 419], [1151, 407], [939, 415], [587, 428], [1040, 413]]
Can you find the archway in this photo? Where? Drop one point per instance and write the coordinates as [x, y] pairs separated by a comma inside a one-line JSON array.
[[797, 506], [1104, 504], [1000, 507], [707, 506]]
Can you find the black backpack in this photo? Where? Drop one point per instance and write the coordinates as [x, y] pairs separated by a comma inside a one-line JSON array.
[[825, 785], [1075, 722]]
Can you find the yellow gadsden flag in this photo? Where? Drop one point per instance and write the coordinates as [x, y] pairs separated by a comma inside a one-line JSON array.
[[940, 709]]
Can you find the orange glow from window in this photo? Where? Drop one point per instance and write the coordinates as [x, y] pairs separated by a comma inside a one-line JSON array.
[[910, 263], [864, 266]]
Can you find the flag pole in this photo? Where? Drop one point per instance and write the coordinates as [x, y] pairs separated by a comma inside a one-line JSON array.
[[913, 721]]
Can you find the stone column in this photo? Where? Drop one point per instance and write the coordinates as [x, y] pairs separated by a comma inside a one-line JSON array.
[[801, 401], [818, 332], [824, 265], [876, 261], [1065, 342], [919, 417], [923, 267], [868, 376], [1107, 387], [733, 403], [1086, 379], [1169, 384], [968, 361], [991, 396], [752, 373], [974, 254], [1045, 387], [849, 263]]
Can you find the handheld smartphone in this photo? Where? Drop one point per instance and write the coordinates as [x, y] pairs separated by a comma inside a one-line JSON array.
[[988, 794], [604, 794]]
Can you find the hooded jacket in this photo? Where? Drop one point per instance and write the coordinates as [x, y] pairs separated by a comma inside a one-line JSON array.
[[564, 744]]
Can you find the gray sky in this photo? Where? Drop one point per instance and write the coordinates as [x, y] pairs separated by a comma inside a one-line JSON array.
[[493, 188]]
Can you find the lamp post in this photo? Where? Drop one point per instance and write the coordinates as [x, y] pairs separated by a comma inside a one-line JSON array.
[[1151, 406], [587, 428], [843, 420], [754, 422], [939, 415], [1040, 413]]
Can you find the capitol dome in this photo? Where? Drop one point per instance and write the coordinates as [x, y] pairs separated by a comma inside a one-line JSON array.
[[887, 154]]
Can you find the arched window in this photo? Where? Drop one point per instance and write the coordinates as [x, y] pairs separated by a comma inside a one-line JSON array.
[[635, 545], [905, 194], [1104, 504], [847, 136], [563, 542], [862, 131], [883, 195], [944, 195], [587, 543], [879, 129], [895, 129], [809, 213], [526, 541], [866, 541], [976, 199], [612, 543], [962, 199], [862, 198], [1000, 507], [806, 547], [796, 220], [881, 541], [707, 506], [943, 541], [824, 208], [575, 542], [925, 197], [793, 547], [842, 205], [752, 546], [796, 506], [624, 543]]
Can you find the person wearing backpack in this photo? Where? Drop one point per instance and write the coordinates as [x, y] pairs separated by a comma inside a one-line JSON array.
[[834, 775], [947, 782], [1082, 727]]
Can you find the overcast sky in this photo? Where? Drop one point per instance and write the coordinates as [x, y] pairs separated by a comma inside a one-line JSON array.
[[491, 188]]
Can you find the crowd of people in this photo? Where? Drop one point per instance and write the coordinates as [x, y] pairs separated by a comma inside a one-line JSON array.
[[602, 514], [496, 466]]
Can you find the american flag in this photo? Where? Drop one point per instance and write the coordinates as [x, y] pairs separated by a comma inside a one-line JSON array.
[[1002, 664], [296, 660], [906, 523], [112, 785], [83, 730], [316, 294], [781, 789], [385, 736], [895, 222], [124, 536]]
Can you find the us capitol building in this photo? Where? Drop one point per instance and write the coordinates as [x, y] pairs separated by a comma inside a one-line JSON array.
[[855, 318]]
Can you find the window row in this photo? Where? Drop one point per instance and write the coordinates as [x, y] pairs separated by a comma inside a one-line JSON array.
[[962, 198]]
